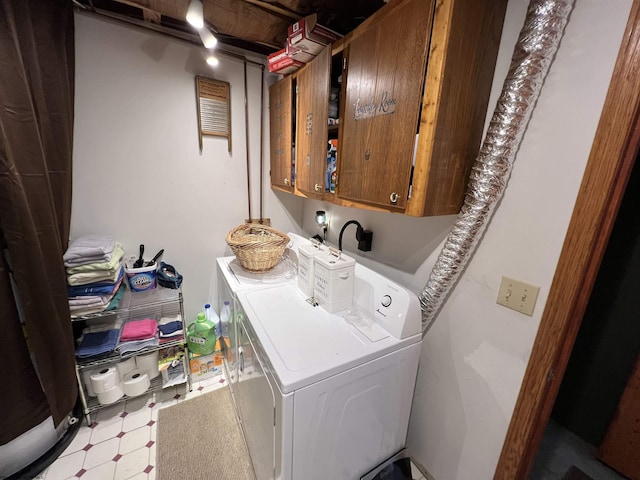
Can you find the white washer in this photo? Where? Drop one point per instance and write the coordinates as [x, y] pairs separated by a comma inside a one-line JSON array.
[[232, 278], [326, 396]]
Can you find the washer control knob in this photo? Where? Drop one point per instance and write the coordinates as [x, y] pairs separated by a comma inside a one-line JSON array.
[[386, 301]]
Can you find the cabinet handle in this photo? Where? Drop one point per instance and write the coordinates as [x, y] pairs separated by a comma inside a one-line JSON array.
[[286, 181], [393, 197], [317, 187]]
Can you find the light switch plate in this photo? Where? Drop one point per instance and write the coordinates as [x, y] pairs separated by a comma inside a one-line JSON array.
[[517, 295]]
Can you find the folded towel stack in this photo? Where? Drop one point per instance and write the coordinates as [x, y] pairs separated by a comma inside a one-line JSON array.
[[94, 265], [170, 328], [99, 339], [137, 336], [97, 344]]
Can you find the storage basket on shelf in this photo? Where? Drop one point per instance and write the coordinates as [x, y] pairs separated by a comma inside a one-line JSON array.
[[257, 247]]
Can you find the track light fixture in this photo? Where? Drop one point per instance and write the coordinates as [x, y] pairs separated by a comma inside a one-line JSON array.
[[195, 15], [208, 39]]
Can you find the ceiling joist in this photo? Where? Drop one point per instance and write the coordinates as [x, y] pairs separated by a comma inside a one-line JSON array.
[[276, 9], [256, 25]]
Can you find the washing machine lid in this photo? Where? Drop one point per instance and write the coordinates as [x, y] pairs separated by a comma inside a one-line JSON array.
[[305, 344]]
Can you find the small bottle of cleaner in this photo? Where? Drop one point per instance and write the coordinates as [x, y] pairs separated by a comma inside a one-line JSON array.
[[225, 314]]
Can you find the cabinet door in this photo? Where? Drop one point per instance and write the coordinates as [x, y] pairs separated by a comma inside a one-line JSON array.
[[281, 133], [384, 79], [621, 444], [311, 129]]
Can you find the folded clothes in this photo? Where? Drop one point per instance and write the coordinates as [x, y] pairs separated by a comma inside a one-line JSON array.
[[97, 276], [139, 330], [170, 326], [110, 266], [171, 339], [172, 329], [98, 288], [136, 346], [169, 319], [102, 325], [89, 300], [88, 249], [86, 310], [97, 343], [115, 300]]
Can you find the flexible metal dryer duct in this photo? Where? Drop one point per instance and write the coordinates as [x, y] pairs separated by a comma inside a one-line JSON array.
[[532, 56]]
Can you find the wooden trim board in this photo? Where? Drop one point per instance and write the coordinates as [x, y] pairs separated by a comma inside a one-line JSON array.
[[610, 162]]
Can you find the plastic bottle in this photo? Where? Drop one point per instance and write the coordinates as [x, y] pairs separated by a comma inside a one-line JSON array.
[[333, 179], [328, 172], [331, 165], [201, 336], [211, 315], [225, 314]]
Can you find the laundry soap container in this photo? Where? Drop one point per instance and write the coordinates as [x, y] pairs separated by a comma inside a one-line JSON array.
[[201, 336], [333, 280], [306, 255]]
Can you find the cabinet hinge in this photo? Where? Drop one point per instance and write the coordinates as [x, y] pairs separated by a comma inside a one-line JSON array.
[[297, 89], [344, 63], [551, 375]]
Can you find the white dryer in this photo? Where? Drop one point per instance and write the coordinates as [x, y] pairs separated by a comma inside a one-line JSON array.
[[326, 396]]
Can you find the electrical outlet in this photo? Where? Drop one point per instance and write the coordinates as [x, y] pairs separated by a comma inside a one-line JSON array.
[[517, 295]]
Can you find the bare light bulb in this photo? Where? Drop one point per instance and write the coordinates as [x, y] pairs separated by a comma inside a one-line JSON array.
[[195, 15], [208, 39], [213, 61]]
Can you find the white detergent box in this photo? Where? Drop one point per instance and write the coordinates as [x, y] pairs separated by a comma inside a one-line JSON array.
[[334, 278], [306, 254]]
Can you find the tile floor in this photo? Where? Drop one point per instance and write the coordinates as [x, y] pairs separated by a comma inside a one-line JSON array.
[[120, 443]]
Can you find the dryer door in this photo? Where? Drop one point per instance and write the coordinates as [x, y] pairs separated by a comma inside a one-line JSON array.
[[256, 404]]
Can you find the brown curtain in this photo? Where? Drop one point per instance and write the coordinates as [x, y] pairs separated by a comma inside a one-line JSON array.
[[36, 137]]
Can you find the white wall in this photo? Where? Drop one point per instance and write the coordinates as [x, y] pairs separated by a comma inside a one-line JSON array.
[[137, 171], [136, 124], [474, 357]]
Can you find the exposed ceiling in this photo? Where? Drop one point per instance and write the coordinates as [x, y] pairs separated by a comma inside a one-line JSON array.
[[256, 25]]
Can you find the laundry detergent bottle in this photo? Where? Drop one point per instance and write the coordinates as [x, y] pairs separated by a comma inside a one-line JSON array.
[[201, 336]]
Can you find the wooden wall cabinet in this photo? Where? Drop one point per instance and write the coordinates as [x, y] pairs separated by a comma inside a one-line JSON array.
[[415, 88], [311, 125], [281, 118], [384, 77]]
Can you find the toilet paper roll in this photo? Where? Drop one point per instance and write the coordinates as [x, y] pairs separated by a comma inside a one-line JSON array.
[[104, 379], [136, 383], [149, 363], [86, 378], [112, 395], [126, 366]]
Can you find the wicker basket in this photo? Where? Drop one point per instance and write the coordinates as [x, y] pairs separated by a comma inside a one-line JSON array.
[[257, 247]]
